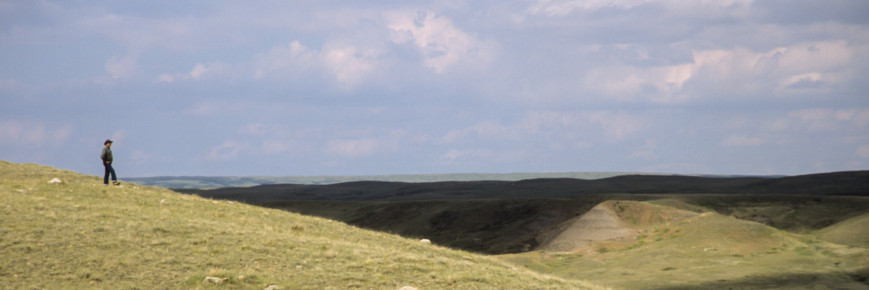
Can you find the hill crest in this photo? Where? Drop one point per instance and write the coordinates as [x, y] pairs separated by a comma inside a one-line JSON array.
[[853, 183]]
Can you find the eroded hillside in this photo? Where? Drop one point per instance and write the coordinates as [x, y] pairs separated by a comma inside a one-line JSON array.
[[641, 245]]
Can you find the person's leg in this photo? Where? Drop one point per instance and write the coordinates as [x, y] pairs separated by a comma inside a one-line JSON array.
[[106, 176], [112, 171]]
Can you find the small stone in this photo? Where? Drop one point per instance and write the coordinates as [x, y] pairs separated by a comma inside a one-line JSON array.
[[425, 241], [272, 287], [215, 280], [408, 288], [55, 181]]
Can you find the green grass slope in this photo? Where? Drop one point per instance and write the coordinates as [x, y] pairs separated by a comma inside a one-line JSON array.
[[80, 234], [675, 250], [853, 231]]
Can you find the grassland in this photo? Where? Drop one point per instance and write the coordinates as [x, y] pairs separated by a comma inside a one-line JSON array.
[[690, 233], [683, 241], [707, 250], [80, 234]]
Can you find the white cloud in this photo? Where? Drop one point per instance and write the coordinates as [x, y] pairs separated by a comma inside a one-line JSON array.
[[226, 151], [139, 155], [647, 151], [293, 57], [477, 81], [554, 125], [487, 128], [221, 108], [118, 136], [255, 129], [271, 146], [353, 147], [27, 133], [863, 151], [566, 7], [659, 84], [122, 67], [813, 67], [823, 119], [349, 64], [741, 141], [198, 72], [460, 155], [561, 8], [615, 124], [443, 45]]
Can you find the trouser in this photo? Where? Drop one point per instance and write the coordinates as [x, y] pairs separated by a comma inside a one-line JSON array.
[[109, 170]]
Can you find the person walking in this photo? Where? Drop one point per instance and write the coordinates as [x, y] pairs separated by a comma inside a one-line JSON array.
[[107, 158]]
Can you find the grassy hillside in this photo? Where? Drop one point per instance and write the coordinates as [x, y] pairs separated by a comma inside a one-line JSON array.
[[514, 225], [80, 234], [675, 250], [853, 231]]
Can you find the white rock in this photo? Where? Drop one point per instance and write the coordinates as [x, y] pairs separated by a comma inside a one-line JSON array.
[[55, 181], [425, 241], [215, 280], [408, 288]]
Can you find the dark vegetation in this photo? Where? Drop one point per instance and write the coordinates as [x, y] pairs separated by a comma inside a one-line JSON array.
[[852, 183], [497, 217], [194, 182]]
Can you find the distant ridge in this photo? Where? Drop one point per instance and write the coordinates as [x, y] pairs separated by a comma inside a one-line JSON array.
[[853, 183], [241, 181]]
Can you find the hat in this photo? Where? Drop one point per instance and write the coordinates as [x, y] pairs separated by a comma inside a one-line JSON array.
[[107, 141]]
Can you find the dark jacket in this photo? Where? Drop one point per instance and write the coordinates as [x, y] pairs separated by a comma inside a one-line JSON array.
[[106, 156]]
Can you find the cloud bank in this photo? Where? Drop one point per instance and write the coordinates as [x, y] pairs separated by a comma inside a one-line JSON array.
[[313, 88]]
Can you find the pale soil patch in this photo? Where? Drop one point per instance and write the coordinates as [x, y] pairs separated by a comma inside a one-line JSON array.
[[676, 249], [600, 223], [610, 221]]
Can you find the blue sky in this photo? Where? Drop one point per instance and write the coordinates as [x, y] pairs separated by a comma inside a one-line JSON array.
[[406, 87]]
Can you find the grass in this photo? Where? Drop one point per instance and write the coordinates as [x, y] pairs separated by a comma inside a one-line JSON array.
[[707, 250], [80, 234], [853, 231]]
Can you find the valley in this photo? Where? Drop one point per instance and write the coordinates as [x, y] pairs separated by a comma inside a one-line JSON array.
[[631, 232]]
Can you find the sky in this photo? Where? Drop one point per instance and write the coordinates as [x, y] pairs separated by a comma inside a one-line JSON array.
[[304, 88]]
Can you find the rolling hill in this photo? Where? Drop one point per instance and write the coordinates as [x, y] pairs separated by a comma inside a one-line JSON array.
[[649, 246], [634, 232], [851, 183], [79, 234]]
